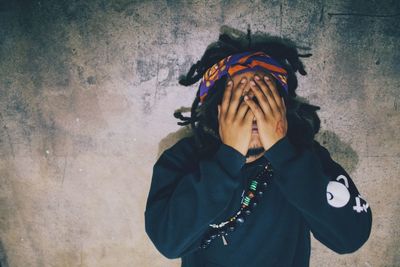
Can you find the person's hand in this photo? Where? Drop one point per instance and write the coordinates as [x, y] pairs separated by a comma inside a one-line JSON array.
[[270, 112], [235, 121]]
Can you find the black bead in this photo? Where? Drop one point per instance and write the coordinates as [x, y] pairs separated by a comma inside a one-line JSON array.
[[231, 228], [222, 231], [213, 235], [264, 184]]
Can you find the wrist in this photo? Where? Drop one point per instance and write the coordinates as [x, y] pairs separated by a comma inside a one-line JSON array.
[[238, 149], [270, 144]]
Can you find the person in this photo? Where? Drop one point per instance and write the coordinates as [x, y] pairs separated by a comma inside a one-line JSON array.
[[251, 183]]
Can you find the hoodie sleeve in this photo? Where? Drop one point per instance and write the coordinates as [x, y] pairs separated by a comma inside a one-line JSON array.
[[187, 195], [324, 193]]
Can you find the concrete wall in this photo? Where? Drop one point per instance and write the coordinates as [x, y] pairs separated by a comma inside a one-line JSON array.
[[87, 93]]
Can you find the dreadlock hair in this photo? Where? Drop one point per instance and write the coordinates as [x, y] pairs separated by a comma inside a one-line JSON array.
[[303, 121]]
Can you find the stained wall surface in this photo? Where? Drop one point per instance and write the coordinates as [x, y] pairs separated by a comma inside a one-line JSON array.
[[87, 93]]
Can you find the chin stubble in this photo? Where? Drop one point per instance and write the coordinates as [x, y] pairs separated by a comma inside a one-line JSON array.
[[254, 152]]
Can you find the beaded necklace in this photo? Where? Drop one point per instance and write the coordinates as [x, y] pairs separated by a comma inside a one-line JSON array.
[[254, 192]]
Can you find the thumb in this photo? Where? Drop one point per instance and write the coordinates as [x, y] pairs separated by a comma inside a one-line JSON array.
[[219, 110]]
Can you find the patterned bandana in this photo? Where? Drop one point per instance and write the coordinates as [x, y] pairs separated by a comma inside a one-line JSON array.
[[239, 63]]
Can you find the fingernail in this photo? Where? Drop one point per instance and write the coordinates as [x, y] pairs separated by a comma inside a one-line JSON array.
[[266, 78], [230, 82], [252, 83], [246, 97], [256, 77], [243, 80]]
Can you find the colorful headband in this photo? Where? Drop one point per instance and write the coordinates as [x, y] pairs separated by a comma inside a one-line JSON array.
[[239, 63]]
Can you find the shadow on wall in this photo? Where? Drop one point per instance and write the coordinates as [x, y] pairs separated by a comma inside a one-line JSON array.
[[171, 139], [3, 256], [174, 137], [340, 151]]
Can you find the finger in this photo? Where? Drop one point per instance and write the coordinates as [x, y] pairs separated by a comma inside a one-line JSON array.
[[227, 97], [219, 111], [237, 92], [258, 113], [283, 105], [265, 88], [242, 110], [261, 98], [249, 117], [275, 94]]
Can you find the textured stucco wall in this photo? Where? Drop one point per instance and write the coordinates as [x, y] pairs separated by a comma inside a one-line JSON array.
[[87, 92]]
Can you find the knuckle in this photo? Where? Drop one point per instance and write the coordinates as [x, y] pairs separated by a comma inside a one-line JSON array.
[[236, 92], [241, 86], [256, 90], [268, 92], [257, 93]]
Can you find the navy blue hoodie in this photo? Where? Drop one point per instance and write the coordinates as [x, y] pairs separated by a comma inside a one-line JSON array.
[[309, 192]]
